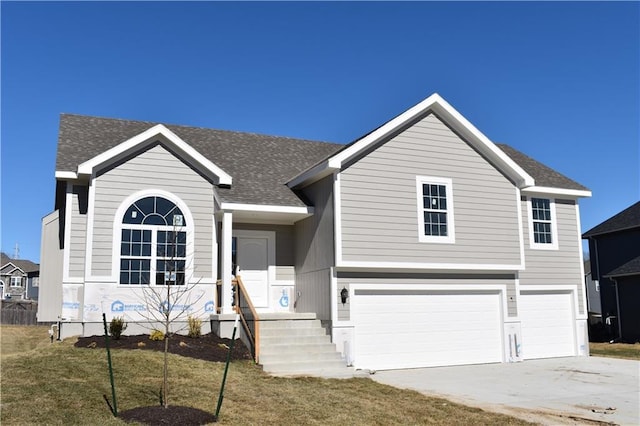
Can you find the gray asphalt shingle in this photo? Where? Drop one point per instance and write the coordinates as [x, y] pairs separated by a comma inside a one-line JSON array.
[[626, 219], [260, 165]]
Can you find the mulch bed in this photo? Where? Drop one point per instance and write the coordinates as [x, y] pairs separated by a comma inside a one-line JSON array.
[[209, 347]]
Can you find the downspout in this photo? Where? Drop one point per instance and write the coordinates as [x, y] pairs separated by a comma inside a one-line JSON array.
[[615, 283]]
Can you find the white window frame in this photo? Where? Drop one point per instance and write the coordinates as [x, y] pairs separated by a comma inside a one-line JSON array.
[[450, 238], [118, 226], [14, 279], [554, 225]]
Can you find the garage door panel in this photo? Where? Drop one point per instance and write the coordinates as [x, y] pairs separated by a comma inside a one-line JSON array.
[[548, 326], [420, 330]]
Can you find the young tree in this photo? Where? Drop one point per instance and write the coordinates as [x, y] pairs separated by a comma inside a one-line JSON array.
[[171, 300]]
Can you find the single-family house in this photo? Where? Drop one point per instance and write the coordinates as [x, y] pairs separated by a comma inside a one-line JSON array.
[[19, 278], [614, 248], [421, 243]]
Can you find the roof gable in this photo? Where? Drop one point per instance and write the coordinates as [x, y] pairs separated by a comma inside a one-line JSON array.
[[144, 139], [627, 219], [524, 171], [433, 104], [260, 165]]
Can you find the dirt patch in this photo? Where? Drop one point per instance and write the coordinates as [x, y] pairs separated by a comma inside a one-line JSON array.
[[172, 415], [208, 347]]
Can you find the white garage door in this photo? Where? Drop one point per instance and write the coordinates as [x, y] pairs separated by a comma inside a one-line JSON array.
[[411, 329], [547, 324]]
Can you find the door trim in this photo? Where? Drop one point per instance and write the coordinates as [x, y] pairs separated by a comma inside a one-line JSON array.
[[271, 253]]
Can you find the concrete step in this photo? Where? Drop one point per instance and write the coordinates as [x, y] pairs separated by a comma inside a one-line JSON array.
[[293, 331], [305, 367], [317, 357], [287, 324], [307, 348], [288, 339]]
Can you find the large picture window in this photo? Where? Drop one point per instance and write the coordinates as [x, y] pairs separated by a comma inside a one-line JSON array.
[[435, 209], [153, 244]]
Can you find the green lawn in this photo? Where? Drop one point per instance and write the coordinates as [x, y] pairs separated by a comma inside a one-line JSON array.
[[58, 384]]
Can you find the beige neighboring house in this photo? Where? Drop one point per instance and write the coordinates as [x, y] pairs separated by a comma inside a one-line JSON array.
[[422, 243], [19, 278]]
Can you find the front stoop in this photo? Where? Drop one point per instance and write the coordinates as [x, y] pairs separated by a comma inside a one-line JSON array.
[[297, 345]]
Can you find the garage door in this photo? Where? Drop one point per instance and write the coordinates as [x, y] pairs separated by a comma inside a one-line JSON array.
[[411, 329], [547, 324]]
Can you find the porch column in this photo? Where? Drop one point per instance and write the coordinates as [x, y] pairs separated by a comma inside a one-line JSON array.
[[226, 263]]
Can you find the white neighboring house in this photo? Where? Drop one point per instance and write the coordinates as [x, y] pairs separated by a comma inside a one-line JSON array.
[[449, 248]]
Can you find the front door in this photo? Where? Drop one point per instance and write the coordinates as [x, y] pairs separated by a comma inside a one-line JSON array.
[[253, 260]]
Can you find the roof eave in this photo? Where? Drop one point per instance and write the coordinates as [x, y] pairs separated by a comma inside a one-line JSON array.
[[571, 193], [445, 111], [88, 167]]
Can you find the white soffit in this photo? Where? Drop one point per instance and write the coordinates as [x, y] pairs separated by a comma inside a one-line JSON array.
[[159, 130]]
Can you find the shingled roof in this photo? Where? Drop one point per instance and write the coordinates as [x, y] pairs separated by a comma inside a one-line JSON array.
[[627, 219], [260, 165], [632, 267], [543, 175], [26, 265]]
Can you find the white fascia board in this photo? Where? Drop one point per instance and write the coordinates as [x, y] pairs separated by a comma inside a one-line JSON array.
[[573, 193], [266, 208], [431, 267], [66, 175], [87, 167], [314, 174], [15, 268], [453, 118]]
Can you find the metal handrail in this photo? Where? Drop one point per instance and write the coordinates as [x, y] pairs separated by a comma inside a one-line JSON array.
[[248, 316]]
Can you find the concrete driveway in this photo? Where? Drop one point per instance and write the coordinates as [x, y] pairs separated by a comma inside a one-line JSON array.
[[548, 391]]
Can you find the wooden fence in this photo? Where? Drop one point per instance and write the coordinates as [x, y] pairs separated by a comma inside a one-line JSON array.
[[19, 312]]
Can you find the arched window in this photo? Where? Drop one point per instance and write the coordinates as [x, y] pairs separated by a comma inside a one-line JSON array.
[[153, 244]]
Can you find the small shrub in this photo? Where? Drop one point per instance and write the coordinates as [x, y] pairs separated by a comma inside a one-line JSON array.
[[116, 327], [195, 327], [156, 335]]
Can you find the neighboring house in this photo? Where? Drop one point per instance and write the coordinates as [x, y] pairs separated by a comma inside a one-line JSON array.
[[614, 247], [451, 249], [19, 278]]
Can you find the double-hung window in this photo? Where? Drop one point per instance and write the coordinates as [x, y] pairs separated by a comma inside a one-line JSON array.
[[16, 281], [542, 229], [153, 243], [435, 209]]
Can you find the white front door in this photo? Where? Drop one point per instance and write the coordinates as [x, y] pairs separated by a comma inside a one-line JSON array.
[[253, 260]]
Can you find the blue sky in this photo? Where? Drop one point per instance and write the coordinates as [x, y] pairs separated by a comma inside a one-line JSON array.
[[558, 81]]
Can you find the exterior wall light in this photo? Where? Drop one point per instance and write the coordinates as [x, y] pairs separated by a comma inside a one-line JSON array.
[[344, 295]]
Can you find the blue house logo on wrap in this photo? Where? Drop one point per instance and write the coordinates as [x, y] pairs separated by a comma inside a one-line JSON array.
[[209, 306], [166, 307], [284, 299], [117, 306]]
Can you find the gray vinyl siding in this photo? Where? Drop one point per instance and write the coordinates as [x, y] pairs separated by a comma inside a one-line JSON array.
[[346, 279], [314, 252], [156, 169], [379, 212], [51, 261], [555, 267], [78, 228]]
